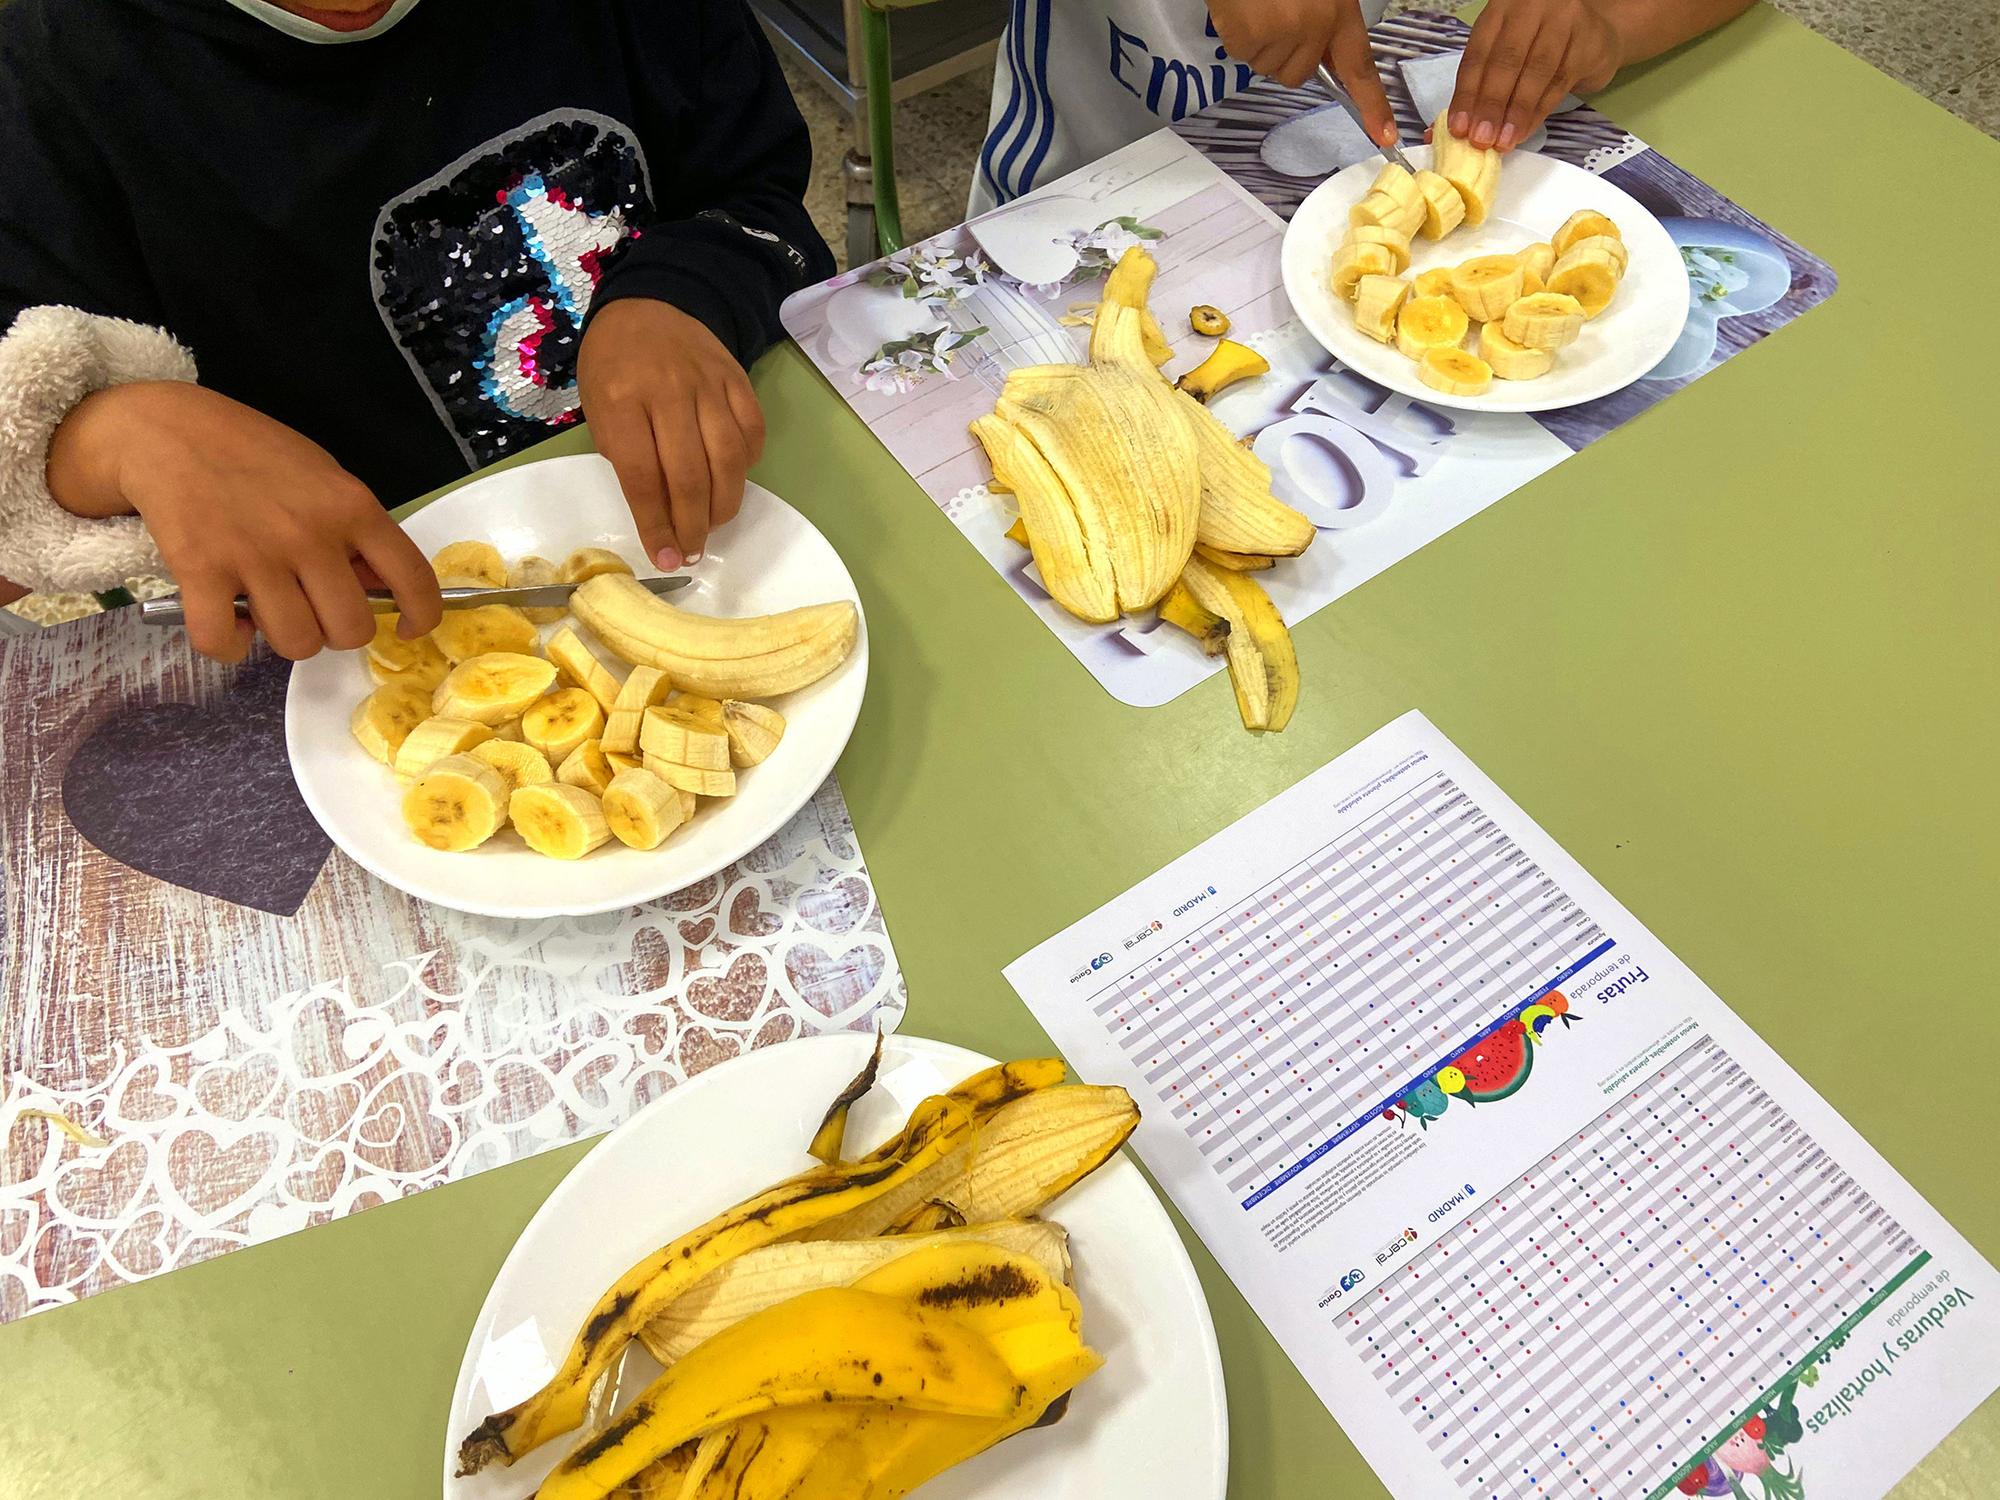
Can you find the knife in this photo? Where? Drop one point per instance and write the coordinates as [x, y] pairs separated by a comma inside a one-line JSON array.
[[168, 611], [1346, 101]]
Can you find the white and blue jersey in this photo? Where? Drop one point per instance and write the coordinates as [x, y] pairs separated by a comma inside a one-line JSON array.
[[1077, 79]]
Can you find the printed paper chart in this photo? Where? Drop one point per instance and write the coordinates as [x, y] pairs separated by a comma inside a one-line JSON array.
[[1276, 1029], [1642, 1281]]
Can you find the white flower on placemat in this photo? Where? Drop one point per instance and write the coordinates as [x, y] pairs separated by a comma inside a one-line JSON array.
[[1097, 251], [901, 364], [931, 273]]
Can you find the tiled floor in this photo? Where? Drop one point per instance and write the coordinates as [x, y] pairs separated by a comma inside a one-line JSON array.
[[1947, 50]]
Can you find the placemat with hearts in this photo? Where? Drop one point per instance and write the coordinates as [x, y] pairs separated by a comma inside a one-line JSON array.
[[920, 343], [216, 1029]]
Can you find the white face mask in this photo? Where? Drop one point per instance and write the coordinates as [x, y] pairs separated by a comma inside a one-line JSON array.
[[310, 31]]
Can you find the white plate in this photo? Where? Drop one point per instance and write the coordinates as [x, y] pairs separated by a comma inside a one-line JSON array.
[[769, 558], [1536, 194], [1153, 1422]]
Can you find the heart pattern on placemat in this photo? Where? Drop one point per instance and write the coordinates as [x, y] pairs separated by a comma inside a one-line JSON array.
[[201, 795]]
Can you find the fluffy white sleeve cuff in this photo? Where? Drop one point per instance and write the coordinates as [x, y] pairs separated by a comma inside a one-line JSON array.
[[49, 360]]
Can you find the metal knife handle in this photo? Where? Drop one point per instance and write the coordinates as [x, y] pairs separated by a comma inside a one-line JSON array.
[[1345, 100]]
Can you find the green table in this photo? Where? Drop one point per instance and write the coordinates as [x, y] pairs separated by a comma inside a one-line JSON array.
[[1739, 659]]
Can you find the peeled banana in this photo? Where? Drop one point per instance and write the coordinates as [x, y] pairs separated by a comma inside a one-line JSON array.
[[1473, 170], [759, 657]]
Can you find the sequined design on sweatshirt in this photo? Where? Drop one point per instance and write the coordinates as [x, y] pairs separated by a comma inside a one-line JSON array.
[[485, 272]]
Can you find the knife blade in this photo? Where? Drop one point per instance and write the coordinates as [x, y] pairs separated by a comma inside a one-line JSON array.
[[168, 611], [1394, 150]]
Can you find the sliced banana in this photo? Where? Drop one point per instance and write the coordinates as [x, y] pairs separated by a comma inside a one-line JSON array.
[[383, 720], [677, 734], [754, 730], [535, 573], [465, 633], [458, 803], [557, 819], [435, 739], [590, 562], [643, 688], [1454, 372], [642, 810], [703, 783], [1377, 300], [477, 563], [1545, 320], [493, 688], [1394, 241], [587, 766], [1588, 276], [1436, 282], [1509, 360], [1583, 224], [1356, 259], [519, 765], [1444, 210], [1486, 286], [557, 724], [580, 666], [1426, 323]]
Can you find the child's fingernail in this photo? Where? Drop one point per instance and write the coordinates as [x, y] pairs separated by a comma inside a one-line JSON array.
[[1482, 133], [693, 558], [668, 558], [1459, 122], [1506, 135]]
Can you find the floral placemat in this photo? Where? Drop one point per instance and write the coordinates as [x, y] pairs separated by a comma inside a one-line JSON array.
[[216, 1029]]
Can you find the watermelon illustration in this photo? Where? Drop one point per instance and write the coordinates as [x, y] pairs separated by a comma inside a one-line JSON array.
[[1496, 1066]]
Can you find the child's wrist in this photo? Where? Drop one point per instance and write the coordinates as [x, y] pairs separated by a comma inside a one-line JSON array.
[[85, 455]]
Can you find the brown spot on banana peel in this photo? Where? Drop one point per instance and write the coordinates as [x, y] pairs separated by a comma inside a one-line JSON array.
[[991, 1284]]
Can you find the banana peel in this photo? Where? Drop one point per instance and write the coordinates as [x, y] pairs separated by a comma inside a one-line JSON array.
[[938, 1128], [840, 1344], [1234, 562], [827, 1141], [1208, 628], [1263, 667], [1227, 363]]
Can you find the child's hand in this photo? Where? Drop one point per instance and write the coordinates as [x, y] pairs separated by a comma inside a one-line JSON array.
[[672, 410], [1524, 55], [1286, 39], [240, 504]]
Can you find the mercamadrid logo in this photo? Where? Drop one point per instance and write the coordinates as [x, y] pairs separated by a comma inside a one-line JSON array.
[[1193, 901]]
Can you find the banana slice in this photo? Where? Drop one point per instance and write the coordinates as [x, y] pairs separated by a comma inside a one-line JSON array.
[[1378, 209], [1473, 170], [1486, 286], [1537, 260], [644, 687], [616, 760], [557, 819], [754, 731], [1604, 247], [676, 734], [1436, 282], [641, 810], [694, 779], [1544, 320], [433, 741], [458, 803], [426, 675], [590, 562], [519, 765], [1454, 372], [1394, 241], [1396, 181], [708, 710], [1444, 210], [1356, 259], [562, 721], [1589, 277], [1509, 360], [534, 573], [465, 633], [511, 730], [581, 668], [1429, 323], [1583, 224], [589, 767], [494, 688], [1377, 300], [472, 563], [384, 719]]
